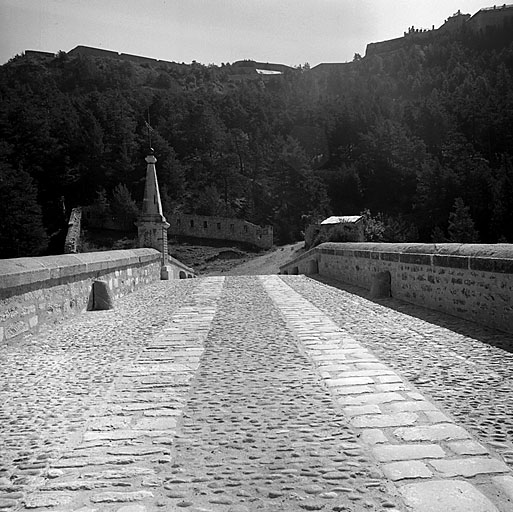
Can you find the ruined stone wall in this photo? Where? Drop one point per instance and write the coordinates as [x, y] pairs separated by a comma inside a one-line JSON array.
[[473, 281], [72, 242], [37, 291], [220, 228]]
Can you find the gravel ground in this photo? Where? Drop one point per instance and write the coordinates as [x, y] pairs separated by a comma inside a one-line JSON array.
[[465, 368]]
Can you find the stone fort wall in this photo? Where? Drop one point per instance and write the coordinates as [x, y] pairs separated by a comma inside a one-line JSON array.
[[37, 291], [470, 281], [220, 228]]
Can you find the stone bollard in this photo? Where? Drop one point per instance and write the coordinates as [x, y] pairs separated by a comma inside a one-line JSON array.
[[102, 296], [381, 285]]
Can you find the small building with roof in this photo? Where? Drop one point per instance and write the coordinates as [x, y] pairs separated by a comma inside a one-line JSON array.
[[337, 228]]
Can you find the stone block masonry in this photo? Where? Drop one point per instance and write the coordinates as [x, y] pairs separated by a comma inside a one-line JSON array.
[[470, 281], [36, 291]]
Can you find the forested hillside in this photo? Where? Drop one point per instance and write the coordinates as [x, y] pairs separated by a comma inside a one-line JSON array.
[[421, 137]]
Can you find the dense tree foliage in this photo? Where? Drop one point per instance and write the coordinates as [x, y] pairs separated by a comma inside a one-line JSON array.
[[421, 137]]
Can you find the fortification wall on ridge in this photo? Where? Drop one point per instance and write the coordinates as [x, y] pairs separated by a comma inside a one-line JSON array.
[[470, 281], [220, 228]]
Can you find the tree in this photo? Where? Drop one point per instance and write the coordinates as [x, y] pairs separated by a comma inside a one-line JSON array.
[[21, 223], [461, 226], [124, 207]]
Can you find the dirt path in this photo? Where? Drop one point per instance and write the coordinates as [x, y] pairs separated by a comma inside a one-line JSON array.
[[268, 263]]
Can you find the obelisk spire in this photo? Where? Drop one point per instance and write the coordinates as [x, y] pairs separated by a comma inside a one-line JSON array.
[[152, 225]]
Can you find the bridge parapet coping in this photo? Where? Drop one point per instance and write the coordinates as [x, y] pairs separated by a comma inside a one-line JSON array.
[[471, 281], [34, 291]]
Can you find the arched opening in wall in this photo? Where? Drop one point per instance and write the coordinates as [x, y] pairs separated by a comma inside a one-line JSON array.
[[295, 271], [285, 273], [192, 223], [313, 267], [381, 285], [205, 224], [182, 275]]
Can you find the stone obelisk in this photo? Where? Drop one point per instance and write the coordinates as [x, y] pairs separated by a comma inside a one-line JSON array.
[[152, 225]]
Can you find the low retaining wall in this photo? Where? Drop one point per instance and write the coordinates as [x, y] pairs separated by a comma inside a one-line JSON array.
[[471, 281], [36, 291]]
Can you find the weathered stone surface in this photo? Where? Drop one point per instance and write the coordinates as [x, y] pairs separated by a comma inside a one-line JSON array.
[[349, 381], [371, 398], [373, 436], [441, 432], [385, 420], [406, 469], [47, 499], [447, 496], [411, 406], [121, 497], [505, 484], [358, 410], [386, 453], [469, 467], [467, 448]]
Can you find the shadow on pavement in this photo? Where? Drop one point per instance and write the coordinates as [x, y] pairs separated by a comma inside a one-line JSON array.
[[492, 337]]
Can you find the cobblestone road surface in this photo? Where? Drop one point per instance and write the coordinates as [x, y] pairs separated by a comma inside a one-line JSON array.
[[246, 394], [468, 369]]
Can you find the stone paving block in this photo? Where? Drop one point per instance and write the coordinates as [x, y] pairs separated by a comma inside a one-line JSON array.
[[121, 497], [398, 386], [411, 406], [156, 424], [47, 499], [385, 420], [353, 390], [366, 373], [393, 452], [406, 469], [373, 436], [358, 410], [469, 467], [371, 365], [467, 448], [445, 496], [441, 432], [505, 484], [414, 395], [372, 398], [349, 381], [388, 379], [437, 417]]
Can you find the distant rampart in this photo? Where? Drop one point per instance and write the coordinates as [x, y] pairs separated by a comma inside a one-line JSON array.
[[220, 228], [474, 282], [37, 291], [491, 18], [89, 51]]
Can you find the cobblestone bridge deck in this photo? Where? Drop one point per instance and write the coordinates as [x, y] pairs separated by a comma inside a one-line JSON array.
[[268, 393]]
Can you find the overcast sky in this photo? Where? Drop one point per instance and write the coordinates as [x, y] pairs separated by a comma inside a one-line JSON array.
[[213, 31]]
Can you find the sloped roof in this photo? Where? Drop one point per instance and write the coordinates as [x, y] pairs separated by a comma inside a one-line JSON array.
[[345, 219]]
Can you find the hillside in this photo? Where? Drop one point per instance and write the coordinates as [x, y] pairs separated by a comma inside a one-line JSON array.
[[420, 136]]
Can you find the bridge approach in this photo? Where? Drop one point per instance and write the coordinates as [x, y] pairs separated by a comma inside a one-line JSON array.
[[257, 393]]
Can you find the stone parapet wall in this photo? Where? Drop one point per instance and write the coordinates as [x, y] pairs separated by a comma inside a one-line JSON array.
[[37, 291], [471, 281]]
